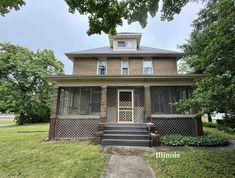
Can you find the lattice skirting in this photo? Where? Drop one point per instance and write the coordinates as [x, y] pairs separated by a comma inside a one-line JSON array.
[[76, 128], [112, 116], [139, 114], [183, 126]]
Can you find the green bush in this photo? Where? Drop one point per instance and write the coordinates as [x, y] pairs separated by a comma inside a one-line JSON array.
[[205, 140], [227, 125]]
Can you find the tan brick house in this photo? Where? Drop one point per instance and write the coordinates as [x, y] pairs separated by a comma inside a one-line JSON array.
[[121, 86]]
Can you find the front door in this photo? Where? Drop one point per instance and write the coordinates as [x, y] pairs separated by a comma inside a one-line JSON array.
[[125, 106]]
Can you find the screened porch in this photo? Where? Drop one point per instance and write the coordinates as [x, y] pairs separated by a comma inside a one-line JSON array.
[[79, 101]]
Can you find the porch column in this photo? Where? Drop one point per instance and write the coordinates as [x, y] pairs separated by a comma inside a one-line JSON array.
[[103, 104], [199, 126], [147, 103], [53, 113]]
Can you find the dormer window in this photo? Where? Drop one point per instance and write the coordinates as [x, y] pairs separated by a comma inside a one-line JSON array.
[[102, 67], [122, 44]]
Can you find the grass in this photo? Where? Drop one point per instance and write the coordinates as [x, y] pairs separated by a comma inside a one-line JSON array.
[[7, 121], [27, 155], [219, 132], [206, 120], [203, 164]]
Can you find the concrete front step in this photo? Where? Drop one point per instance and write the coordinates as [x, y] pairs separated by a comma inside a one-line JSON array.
[[126, 124], [125, 127], [139, 132], [126, 136], [126, 142]]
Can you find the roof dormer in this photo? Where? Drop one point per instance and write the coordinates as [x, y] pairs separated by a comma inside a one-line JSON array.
[[125, 41]]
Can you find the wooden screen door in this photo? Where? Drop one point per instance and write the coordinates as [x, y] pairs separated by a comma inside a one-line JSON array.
[[125, 106]]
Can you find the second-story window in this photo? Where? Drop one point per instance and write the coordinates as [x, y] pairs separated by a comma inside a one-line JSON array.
[[125, 67], [102, 67], [148, 66]]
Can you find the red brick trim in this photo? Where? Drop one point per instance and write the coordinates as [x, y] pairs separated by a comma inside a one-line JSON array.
[[149, 119], [53, 113], [103, 104], [52, 128]]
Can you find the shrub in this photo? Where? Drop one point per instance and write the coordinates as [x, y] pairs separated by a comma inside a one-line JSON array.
[[205, 140], [227, 124]]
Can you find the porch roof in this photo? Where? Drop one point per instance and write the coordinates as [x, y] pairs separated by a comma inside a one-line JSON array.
[[120, 80]]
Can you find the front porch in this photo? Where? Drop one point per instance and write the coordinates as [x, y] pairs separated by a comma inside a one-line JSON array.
[[79, 108]]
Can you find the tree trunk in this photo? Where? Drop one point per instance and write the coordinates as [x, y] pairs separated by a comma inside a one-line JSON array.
[[21, 119], [209, 117]]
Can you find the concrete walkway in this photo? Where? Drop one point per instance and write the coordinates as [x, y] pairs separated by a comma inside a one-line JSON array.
[[127, 167], [4, 125], [128, 162]]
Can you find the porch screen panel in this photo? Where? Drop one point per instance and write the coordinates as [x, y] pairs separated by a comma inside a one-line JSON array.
[[139, 97], [176, 96], [162, 98], [85, 103], [112, 110], [79, 101], [65, 101], [95, 102], [74, 100], [139, 105]]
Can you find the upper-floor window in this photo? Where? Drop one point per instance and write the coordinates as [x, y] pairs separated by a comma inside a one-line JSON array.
[[102, 67], [125, 67], [148, 66], [122, 43]]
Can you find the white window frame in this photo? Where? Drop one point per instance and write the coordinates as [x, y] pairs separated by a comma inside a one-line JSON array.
[[125, 44], [151, 60], [97, 68], [124, 59]]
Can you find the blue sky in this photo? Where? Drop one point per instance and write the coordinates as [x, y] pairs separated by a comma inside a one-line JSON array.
[[47, 24]]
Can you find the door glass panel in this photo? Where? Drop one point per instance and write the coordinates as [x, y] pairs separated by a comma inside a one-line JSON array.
[[125, 99]]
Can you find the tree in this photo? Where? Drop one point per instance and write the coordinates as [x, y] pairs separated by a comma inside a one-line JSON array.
[[7, 5], [106, 15], [23, 90], [210, 50], [183, 67]]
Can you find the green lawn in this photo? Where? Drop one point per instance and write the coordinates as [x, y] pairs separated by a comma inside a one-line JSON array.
[[7, 121], [203, 164], [28, 155], [219, 132]]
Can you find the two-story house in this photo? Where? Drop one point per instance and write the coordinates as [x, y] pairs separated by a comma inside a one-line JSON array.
[[121, 86]]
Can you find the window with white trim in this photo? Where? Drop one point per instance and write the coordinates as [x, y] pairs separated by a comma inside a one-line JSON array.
[[125, 67], [148, 66], [122, 44], [102, 67]]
